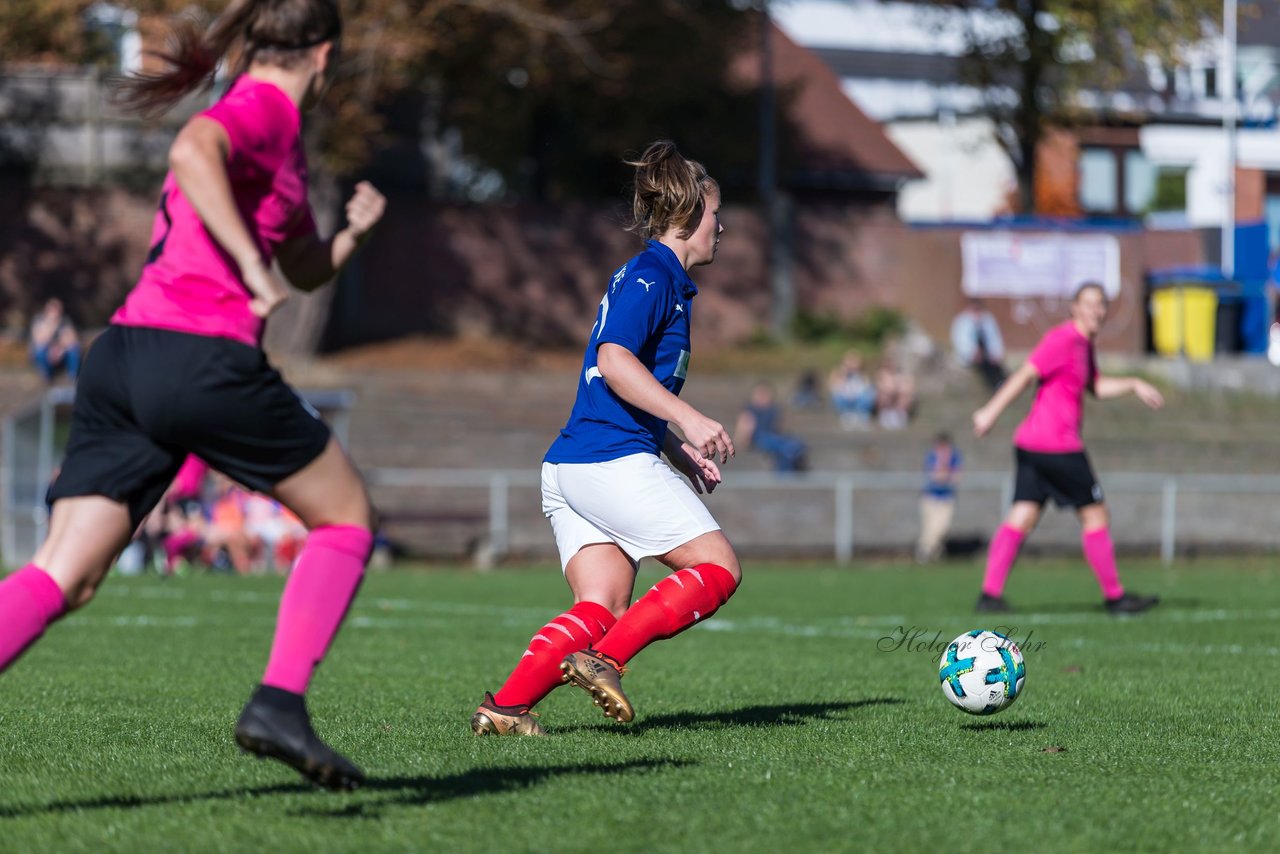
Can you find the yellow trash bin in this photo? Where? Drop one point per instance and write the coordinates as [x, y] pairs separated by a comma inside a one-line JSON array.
[[1183, 321]]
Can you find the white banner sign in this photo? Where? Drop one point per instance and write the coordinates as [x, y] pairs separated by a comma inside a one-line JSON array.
[[1017, 265]]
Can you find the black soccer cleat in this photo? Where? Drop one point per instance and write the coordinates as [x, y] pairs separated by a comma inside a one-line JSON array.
[[988, 604], [275, 725], [1131, 603]]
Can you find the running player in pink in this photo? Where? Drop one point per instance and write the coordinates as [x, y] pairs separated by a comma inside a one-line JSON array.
[[610, 497], [180, 371], [1049, 451]]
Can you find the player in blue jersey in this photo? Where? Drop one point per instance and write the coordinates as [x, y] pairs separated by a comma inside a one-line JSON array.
[[610, 497]]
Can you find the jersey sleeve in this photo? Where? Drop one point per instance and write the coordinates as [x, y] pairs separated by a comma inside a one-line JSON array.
[[255, 133], [1047, 357], [635, 311]]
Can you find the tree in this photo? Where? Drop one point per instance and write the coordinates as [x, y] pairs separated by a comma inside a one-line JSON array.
[[1032, 57]]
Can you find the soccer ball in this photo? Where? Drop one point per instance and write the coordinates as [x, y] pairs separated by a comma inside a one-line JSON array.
[[982, 672]]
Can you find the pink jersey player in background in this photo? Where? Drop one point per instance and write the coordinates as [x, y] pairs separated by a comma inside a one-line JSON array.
[[1049, 451], [180, 371]]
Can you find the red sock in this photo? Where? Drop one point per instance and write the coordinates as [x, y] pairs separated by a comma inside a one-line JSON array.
[[672, 605], [316, 597], [1100, 551], [1000, 557], [29, 601], [539, 668]]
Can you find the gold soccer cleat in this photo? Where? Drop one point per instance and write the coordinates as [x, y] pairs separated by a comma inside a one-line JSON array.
[[601, 679], [490, 719]]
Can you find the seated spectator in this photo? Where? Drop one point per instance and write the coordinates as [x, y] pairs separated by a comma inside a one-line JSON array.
[[975, 338], [759, 428], [851, 392], [228, 544], [280, 533], [55, 345], [895, 393]]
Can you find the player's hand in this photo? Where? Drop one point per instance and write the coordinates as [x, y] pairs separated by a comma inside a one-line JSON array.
[[707, 436], [702, 472], [983, 421], [364, 209], [1148, 394], [269, 290]]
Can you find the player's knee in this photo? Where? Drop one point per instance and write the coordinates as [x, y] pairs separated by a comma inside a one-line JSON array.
[[354, 511], [730, 563]]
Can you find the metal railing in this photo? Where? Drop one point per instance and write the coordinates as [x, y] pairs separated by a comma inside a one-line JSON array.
[[844, 487], [27, 471]]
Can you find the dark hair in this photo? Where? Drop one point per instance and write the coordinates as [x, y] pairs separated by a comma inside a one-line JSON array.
[[1091, 286], [274, 31], [668, 191], [942, 438]]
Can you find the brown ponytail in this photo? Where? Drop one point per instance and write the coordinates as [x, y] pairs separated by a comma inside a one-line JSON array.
[[275, 31], [669, 191]]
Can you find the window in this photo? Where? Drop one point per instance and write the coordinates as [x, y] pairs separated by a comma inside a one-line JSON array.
[[1098, 180], [1139, 182], [1271, 212], [1170, 192]]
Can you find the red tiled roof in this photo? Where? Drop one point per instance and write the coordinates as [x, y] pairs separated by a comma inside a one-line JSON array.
[[835, 136]]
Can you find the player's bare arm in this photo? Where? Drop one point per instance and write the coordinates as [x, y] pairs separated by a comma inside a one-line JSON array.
[[198, 160], [1018, 382], [631, 381], [1106, 388], [309, 262]]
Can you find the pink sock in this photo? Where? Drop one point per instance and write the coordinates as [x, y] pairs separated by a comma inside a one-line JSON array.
[[316, 597], [1000, 557], [1101, 554], [29, 601]]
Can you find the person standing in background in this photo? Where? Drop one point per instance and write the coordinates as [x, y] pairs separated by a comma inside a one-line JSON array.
[[938, 502]]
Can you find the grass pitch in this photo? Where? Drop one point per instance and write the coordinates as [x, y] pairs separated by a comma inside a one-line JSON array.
[[806, 716]]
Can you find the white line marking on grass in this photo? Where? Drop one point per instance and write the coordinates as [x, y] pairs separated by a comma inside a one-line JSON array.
[[757, 625]]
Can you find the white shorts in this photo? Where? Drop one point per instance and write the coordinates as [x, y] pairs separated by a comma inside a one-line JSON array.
[[637, 502]]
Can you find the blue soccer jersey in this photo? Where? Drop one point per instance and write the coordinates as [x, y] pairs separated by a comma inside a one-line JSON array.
[[646, 310]]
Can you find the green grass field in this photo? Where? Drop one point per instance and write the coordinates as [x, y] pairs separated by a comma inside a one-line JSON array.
[[783, 724]]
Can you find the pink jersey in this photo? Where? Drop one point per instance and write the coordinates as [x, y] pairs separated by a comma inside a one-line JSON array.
[[189, 283], [1064, 357]]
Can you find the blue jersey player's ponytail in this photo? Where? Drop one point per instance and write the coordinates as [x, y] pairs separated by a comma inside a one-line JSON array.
[[669, 191]]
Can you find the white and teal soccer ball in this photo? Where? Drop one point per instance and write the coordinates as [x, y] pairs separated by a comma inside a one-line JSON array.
[[982, 672]]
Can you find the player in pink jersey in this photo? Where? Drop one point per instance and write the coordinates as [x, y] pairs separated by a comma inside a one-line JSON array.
[[179, 371], [1050, 455]]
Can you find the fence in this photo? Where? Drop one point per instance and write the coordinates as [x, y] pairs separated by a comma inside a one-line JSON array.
[[31, 442], [1232, 519], [495, 514]]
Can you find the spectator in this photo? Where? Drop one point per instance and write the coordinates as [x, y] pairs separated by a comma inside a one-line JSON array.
[[895, 393], [975, 338], [279, 532], [807, 395], [758, 427], [852, 394], [228, 544], [938, 503], [55, 344]]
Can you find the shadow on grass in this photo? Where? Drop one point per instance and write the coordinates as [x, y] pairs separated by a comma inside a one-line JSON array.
[[1095, 607], [398, 791], [782, 715], [1004, 726]]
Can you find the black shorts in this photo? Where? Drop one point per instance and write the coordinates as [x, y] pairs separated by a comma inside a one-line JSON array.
[[148, 397], [1066, 478]]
